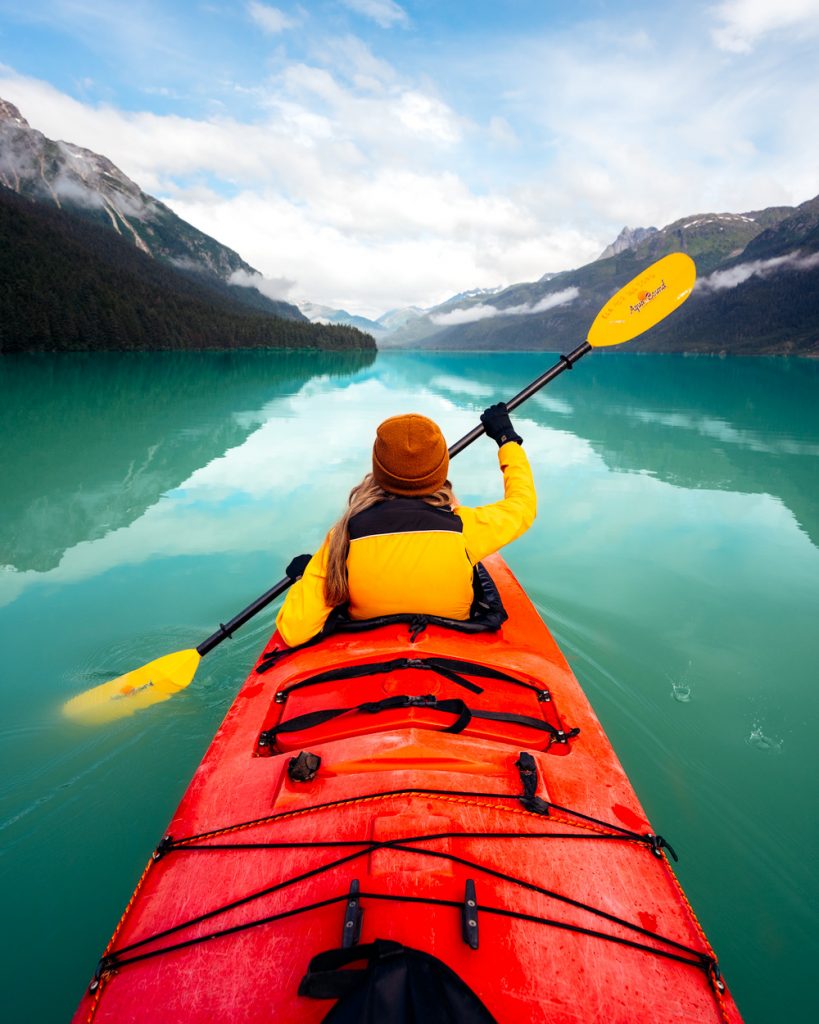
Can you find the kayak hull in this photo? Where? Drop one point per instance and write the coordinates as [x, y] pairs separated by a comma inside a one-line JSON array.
[[577, 913]]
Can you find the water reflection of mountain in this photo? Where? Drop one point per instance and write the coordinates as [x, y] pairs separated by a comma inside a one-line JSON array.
[[91, 442], [744, 425], [749, 426]]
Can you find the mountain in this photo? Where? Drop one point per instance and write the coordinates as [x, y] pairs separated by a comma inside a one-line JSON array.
[[472, 293], [757, 293], [763, 301], [627, 239], [327, 315], [88, 185], [69, 284], [394, 319]]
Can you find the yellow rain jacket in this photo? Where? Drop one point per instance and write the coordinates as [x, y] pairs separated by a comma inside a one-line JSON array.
[[407, 556]]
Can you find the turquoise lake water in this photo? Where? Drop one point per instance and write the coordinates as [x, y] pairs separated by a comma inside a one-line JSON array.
[[146, 498]]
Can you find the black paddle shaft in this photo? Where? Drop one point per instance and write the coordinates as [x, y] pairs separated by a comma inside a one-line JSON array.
[[564, 363], [227, 629]]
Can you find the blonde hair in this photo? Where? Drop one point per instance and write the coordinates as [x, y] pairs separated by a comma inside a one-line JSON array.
[[363, 496]]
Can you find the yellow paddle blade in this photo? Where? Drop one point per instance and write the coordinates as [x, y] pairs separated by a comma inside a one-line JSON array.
[[151, 684], [645, 301]]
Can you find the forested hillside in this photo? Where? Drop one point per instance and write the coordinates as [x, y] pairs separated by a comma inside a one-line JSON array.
[[67, 284]]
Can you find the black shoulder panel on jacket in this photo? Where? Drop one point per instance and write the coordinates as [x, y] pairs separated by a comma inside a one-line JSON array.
[[403, 515]]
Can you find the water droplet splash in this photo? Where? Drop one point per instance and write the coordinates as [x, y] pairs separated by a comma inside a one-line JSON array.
[[759, 740], [681, 691]]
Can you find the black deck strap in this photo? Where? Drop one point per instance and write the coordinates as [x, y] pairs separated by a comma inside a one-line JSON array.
[[374, 668], [527, 766], [556, 735], [453, 677], [469, 917], [351, 932], [454, 669], [310, 720], [452, 706], [398, 984], [471, 668]]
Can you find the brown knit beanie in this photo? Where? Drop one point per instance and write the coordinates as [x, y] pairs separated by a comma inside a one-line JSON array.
[[410, 456]]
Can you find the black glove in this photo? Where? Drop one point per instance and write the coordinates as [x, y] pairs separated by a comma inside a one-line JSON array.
[[498, 426], [296, 568]]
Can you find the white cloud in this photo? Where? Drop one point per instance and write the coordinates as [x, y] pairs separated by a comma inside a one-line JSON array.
[[385, 13], [741, 24], [742, 272], [646, 142], [370, 244], [425, 115], [351, 56], [484, 312], [469, 315], [273, 287], [270, 19]]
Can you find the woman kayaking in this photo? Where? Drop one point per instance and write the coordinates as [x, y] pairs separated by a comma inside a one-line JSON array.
[[403, 543]]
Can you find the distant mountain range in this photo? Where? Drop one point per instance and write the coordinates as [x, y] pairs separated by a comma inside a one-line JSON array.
[[89, 260], [391, 322], [757, 293], [327, 315]]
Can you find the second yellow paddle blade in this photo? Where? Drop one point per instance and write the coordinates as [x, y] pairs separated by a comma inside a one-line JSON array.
[[150, 684], [645, 301]]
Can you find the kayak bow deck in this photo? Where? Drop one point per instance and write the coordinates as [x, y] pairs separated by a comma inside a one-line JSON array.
[[462, 799]]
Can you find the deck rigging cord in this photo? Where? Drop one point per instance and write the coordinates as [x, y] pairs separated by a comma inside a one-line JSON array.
[[113, 960]]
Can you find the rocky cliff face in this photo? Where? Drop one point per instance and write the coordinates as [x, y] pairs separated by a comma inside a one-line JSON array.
[[86, 183], [627, 239]]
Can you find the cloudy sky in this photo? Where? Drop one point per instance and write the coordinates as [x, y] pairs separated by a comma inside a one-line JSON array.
[[372, 154]]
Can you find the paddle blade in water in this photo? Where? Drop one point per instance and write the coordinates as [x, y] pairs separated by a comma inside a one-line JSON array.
[[645, 301], [150, 684]]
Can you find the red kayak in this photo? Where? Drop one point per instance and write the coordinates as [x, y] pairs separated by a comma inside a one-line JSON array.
[[403, 818]]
